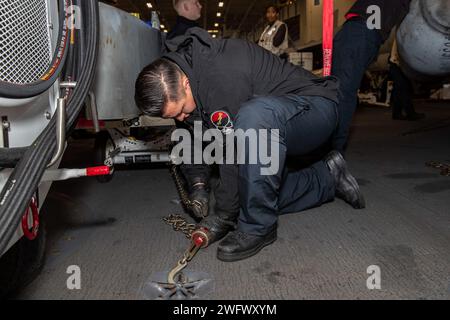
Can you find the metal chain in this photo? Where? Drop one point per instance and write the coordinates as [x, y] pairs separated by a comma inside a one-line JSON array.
[[179, 223], [198, 208], [179, 183], [444, 167]]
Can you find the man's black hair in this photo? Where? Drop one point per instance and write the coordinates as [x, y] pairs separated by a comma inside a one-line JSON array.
[[274, 6], [158, 84]]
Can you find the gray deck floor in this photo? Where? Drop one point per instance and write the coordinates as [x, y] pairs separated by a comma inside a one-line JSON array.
[[115, 232]]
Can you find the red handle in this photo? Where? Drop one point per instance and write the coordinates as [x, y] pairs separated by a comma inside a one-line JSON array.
[[328, 33], [98, 171], [31, 232], [200, 237]]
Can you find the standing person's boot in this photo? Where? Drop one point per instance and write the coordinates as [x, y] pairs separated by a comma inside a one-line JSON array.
[[399, 117], [397, 113], [411, 113], [415, 116]]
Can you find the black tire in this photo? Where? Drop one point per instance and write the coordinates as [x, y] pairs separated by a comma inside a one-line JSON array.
[[22, 263], [101, 140]]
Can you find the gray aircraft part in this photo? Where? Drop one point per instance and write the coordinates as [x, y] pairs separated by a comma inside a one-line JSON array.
[[424, 39], [127, 45]]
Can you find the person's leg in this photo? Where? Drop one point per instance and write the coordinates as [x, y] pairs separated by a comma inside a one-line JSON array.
[[304, 123], [396, 100], [407, 96], [355, 47], [403, 96], [306, 189], [324, 180]]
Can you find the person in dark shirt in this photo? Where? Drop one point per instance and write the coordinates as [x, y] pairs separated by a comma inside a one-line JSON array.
[[356, 46], [189, 11], [233, 84]]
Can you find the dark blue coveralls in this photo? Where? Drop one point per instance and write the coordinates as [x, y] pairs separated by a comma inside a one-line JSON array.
[[304, 123]]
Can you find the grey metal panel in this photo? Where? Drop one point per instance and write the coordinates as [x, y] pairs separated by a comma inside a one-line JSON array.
[[126, 46]]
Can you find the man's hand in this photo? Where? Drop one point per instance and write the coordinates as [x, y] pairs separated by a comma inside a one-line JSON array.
[[199, 198]]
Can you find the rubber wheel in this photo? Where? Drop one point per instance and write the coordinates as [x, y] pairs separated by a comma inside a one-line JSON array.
[[22, 263], [101, 140]]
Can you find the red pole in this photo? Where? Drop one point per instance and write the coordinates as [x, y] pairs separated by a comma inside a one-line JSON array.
[[328, 33]]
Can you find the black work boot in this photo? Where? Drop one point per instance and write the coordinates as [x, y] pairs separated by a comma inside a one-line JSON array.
[[347, 187], [239, 245], [399, 117], [217, 227], [415, 116]]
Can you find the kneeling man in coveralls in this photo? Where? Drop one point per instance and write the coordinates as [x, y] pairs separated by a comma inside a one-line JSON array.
[[205, 79]]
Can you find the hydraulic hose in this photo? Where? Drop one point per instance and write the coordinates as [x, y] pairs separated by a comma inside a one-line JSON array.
[[25, 178], [21, 91], [69, 71]]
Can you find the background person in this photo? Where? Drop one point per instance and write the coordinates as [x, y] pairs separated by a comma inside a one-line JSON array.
[[402, 91], [355, 48], [189, 11], [275, 37]]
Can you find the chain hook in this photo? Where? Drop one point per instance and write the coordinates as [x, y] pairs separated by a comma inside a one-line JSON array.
[[199, 240]]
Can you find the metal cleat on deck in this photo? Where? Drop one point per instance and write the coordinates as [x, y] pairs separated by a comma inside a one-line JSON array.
[[178, 284]]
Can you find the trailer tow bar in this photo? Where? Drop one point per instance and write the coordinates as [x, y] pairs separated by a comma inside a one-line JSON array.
[[31, 232], [66, 174]]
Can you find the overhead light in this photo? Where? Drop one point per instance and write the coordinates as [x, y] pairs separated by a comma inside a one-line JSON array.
[[220, 4], [214, 36], [149, 5], [163, 26], [216, 24], [219, 14], [165, 31]]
